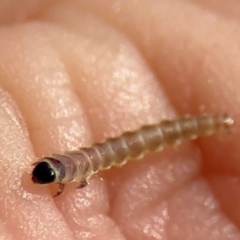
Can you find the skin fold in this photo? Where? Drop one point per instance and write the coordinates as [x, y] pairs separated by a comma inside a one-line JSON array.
[[76, 72]]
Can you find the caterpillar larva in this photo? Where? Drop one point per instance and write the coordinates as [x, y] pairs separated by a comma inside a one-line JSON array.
[[79, 165]]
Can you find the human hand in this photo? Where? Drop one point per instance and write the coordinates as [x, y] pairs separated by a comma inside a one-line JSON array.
[[75, 72]]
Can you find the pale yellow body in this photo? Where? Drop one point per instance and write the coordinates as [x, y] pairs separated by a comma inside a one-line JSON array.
[[81, 164]]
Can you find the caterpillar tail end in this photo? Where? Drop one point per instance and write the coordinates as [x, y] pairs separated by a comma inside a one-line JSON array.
[[228, 123]]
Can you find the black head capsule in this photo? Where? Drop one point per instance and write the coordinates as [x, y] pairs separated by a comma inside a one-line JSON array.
[[48, 170], [43, 173]]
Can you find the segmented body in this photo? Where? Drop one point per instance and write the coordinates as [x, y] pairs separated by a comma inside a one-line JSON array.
[[79, 165]]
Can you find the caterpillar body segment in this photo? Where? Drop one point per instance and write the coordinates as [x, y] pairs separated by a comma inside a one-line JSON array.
[[79, 165]]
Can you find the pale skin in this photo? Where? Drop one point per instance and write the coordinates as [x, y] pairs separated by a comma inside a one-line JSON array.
[[75, 72]]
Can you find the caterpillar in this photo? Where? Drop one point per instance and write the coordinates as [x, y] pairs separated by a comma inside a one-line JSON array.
[[80, 164]]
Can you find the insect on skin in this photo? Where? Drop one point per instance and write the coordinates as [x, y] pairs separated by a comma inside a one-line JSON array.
[[79, 165]]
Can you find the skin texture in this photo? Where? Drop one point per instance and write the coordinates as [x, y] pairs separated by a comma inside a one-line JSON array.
[[75, 72]]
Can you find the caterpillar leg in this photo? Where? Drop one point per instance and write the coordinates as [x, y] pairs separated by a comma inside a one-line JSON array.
[[61, 187], [82, 184]]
